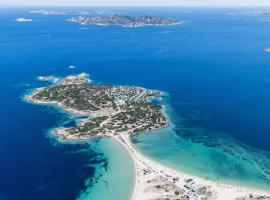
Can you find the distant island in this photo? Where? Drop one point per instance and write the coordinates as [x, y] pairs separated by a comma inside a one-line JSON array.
[[23, 20], [58, 12], [260, 14], [113, 109], [125, 21]]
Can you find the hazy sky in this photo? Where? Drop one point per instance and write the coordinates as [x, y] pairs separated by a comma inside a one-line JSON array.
[[138, 2]]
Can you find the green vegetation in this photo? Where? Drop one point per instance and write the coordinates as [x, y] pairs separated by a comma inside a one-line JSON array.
[[112, 109]]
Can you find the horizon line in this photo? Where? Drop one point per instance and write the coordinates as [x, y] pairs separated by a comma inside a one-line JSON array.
[[141, 6]]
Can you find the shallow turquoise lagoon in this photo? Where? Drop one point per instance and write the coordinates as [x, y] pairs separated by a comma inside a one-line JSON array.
[[214, 66], [166, 147], [115, 180]]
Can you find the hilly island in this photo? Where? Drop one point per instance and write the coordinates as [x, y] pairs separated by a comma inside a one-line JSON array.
[[125, 21]]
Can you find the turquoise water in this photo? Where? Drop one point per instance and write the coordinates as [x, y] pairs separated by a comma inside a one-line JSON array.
[[215, 163], [115, 181], [214, 66]]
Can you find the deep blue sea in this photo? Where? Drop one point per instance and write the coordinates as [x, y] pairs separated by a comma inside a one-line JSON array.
[[214, 67]]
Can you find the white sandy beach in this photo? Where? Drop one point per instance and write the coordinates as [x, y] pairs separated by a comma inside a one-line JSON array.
[[143, 164], [148, 171], [156, 181]]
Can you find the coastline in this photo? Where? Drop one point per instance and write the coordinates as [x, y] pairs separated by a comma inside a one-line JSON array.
[[209, 65], [171, 116], [221, 190], [110, 181], [28, 98], [156, 170]]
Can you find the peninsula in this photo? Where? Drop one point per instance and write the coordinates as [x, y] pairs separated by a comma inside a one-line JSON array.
[[120, 111], [111, 109], [125, 21]]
